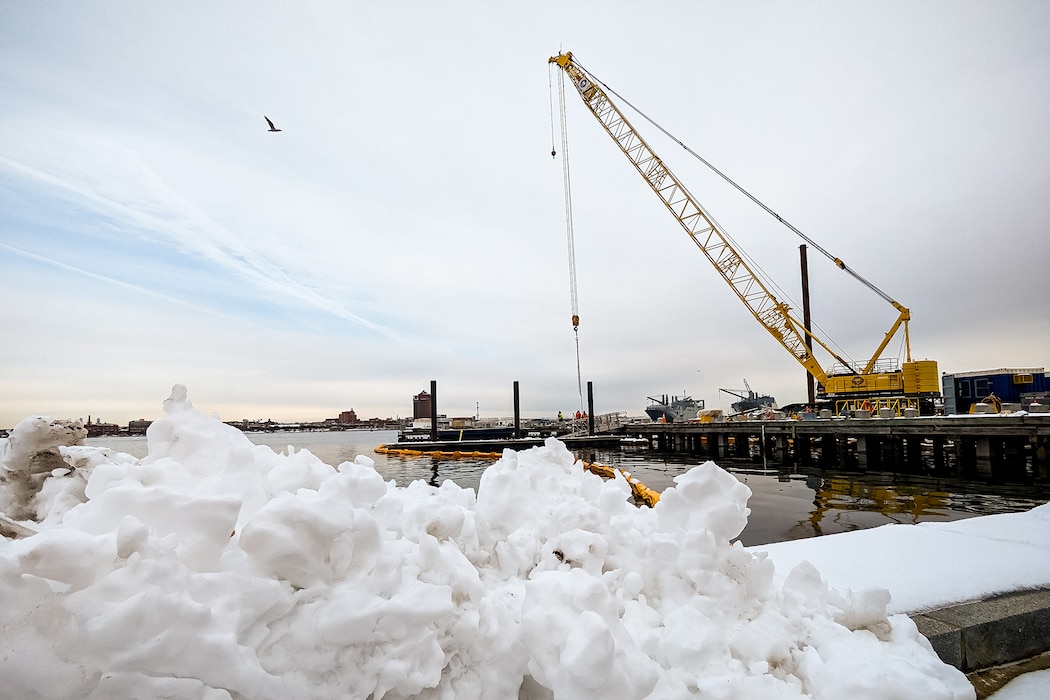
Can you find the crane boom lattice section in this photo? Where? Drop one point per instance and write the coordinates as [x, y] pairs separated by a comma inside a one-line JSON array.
[[774, 315]]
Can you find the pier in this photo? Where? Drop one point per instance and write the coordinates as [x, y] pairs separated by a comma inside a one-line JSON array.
[[992, 446]]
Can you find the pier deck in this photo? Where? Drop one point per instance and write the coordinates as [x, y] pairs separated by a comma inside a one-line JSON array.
[[990, 444]]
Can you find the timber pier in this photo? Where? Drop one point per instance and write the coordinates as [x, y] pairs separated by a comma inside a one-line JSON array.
[[991, 446]]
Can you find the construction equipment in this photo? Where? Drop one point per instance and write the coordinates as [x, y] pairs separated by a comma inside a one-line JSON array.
[[847, 385]]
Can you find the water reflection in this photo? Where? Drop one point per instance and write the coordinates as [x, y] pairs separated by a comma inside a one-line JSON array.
[[787, 502]]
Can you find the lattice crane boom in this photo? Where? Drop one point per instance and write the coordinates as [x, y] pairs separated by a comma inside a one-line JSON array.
[[774, 315]]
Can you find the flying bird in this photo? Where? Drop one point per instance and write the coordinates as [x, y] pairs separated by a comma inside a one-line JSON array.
[[272, 127]]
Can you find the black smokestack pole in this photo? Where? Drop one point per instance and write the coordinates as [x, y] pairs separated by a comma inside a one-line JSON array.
[[433, 410], [807, 320], [517, 412]]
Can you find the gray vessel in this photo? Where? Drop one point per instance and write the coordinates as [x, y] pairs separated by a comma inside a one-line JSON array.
[[752, 401], [673, 409]]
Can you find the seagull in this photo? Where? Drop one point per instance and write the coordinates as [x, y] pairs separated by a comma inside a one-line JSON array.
[[272, 127]]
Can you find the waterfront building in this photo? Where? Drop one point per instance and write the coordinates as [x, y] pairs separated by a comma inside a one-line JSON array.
[[421, 405], [1016, 385]]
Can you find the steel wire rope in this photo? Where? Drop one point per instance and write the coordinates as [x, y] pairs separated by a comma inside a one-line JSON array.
[[766, 279], [567, 186], [838, 262]]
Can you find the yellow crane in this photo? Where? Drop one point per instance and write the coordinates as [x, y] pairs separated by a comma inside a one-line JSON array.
[[848, 385]]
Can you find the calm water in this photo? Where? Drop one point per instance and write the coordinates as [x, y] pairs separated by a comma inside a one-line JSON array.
[[785, 504]]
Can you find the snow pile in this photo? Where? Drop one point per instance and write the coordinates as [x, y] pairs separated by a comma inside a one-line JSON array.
[[214, 568], [31, 455]]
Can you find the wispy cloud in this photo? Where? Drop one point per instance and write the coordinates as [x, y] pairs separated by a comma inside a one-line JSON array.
[[160, 210]]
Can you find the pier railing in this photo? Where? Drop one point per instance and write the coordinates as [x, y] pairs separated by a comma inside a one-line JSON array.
[[604, 423]]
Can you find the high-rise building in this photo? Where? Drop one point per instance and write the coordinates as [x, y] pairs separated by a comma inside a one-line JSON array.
[[422, 404]]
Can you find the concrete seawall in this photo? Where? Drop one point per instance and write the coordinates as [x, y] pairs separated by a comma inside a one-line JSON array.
[[986, 633], [993, 641]]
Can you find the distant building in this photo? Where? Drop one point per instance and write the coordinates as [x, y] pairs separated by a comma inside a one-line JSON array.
[[422, 405], [348, 417], [1019, 385], [138, 427], [96, 428]]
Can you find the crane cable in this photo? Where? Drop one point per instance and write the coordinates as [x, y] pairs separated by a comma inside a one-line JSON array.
[[573, 296], [838, 262]]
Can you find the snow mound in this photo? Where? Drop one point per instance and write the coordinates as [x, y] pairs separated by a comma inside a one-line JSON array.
[[214, 568]]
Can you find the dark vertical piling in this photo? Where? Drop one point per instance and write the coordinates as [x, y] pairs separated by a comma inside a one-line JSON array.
[[913, 454], [517, 412], [940, 460], [804, 450], [829, 451], [433, 410], [590, 408], [807, 320]]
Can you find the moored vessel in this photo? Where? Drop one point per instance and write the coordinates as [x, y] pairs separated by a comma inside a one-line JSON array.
[[673, 409]]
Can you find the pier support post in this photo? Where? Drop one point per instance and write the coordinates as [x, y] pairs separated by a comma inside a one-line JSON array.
[[740, 446], [517, 412], [803, 450], [966, 454], [865, 445], [984, 456], [893, 452], [939, 460], [783, 451], [1014, 460], [829, 450], [1040, 464], [590, 408], [769, 446], [433, 410], [913, 454]]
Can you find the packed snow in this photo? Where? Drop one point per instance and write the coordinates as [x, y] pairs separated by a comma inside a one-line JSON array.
[[932, 565], [1030, 686], [214, 568]]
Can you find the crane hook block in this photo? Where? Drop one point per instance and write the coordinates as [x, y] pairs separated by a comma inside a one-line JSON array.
[[575, 321]]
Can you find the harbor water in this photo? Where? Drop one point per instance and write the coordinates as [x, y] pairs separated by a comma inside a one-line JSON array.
[[787, 503]]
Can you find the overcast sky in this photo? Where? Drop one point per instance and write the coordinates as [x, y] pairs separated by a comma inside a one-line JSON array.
[[407, 223]]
